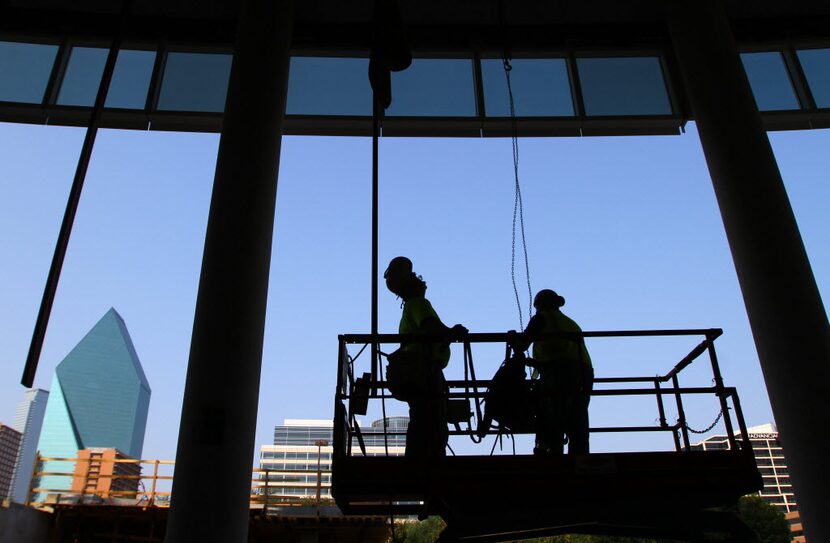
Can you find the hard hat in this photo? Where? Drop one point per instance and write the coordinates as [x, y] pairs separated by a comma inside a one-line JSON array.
[[400, 266], [548, 299], [397, 273]]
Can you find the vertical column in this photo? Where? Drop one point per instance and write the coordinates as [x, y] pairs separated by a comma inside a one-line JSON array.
[[212, 484], [785, 311]]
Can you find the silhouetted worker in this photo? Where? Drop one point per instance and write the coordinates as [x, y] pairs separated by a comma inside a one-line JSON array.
[[426, 435], [566, 377]]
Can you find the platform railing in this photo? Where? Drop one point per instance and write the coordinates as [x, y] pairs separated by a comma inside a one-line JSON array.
[[355, 390], [68, 481]]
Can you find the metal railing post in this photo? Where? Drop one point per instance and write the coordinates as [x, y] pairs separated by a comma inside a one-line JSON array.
[[661, 408], [267, 491], [727, 420], [739, 414], [153, 484], [681, 414]]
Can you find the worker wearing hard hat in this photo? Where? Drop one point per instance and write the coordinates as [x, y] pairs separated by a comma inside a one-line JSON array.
[[423, 386], [566, 376]]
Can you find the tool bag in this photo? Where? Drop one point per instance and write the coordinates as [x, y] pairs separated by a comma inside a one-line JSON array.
[[511, 398], [407, 374]]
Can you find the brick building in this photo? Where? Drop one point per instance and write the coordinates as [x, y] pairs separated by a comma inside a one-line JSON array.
[[106, 473]]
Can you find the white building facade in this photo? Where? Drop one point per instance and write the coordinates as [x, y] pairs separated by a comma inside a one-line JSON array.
[[302, 446], [28, 420]]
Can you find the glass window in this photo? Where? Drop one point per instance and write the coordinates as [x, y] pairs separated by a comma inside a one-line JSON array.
[[25, 70], [816, 66], [435, 88], [195, 82], [623, 86], [541, 88], [770, 81], [131, 79], [82, 76]]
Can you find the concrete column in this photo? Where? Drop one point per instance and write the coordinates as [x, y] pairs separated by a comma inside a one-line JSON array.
[[212, 484], [788, 320]]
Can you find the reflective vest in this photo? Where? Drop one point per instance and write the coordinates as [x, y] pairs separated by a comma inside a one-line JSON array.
[[559, 348], [415, 312]]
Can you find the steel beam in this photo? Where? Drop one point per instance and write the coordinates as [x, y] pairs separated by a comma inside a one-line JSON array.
[[219, 411], [788, 320]]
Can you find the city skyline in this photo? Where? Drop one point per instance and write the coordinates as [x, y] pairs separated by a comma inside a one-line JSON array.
[[649, 253]]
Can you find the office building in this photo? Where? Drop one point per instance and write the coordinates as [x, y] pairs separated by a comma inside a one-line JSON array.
[[395, 431], [9, 445], [769, 455], [28, 420], [99, 398], [300, 443]]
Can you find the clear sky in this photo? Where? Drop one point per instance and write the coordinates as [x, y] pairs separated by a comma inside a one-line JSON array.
[[626, 229]]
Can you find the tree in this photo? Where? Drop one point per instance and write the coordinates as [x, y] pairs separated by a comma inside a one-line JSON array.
[[580, 538], [767, 521], [425, 531]]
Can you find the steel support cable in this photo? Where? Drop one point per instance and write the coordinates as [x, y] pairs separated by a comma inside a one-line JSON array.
[[518, 207], [52, 280]]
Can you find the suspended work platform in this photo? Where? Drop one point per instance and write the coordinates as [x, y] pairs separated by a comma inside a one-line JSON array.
[[486, 497]]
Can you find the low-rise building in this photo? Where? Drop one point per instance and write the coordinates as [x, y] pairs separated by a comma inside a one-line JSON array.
[[105, 472]]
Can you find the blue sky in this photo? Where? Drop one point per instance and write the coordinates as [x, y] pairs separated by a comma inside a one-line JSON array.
[[626, 229]]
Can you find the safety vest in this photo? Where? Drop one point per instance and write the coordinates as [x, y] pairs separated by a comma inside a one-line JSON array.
[[415, 312], [560, 348]]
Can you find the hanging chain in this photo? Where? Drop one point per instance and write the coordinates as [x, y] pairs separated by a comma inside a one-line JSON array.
[[518, 208], [689, 428]]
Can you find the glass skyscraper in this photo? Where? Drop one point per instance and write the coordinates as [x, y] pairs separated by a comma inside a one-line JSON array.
[[99, 398], [28, 420]]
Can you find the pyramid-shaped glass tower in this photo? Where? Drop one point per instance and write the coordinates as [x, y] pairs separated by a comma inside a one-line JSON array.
[[99, 398]]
